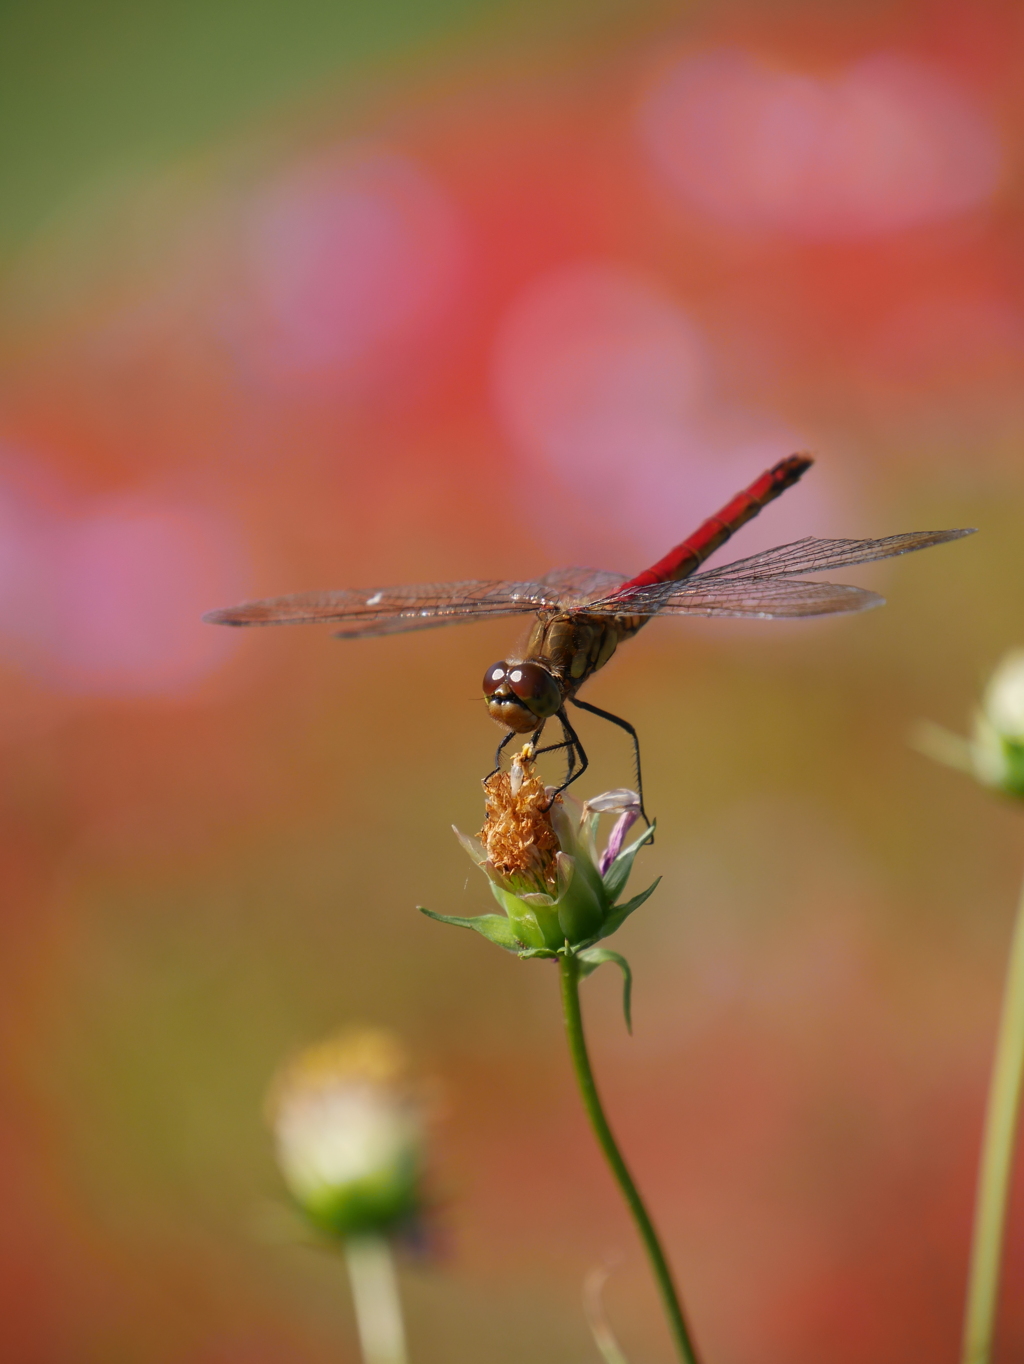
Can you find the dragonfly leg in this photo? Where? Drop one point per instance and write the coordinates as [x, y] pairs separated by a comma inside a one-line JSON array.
[[553, 748], [572, 743], [622, 724], [497, 757]]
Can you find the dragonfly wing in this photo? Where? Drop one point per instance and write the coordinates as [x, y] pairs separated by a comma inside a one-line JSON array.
[[812, 555], [577, 586], [751, 597], [388, 610]]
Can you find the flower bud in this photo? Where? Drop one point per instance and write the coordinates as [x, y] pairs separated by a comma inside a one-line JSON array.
[[1004, 698], [540, 853], [995, 753], [348, 1131]]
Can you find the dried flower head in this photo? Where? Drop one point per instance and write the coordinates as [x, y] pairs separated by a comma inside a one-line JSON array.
[[348, 1129], [518, 834]]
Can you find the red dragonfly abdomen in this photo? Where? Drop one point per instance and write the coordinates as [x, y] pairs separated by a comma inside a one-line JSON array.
[[688, 556]]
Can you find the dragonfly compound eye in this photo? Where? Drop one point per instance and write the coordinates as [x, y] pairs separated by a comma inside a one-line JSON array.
[[521, 694], [535, 687], [493, 678]]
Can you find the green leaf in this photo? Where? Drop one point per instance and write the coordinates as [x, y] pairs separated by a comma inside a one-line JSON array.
[[495, 927], [594, 957], [617, 875], [621, 913]]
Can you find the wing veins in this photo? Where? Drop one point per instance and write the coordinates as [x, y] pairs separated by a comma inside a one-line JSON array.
[[409, 607], [813, 555], [780, 564], [753, 596]]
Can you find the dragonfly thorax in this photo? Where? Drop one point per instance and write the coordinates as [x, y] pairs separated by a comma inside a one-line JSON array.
[[521, 695], [575, 644]]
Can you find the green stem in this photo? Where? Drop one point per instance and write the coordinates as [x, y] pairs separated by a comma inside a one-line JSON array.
[[570, 977], [378, 1309], [996, 1161]]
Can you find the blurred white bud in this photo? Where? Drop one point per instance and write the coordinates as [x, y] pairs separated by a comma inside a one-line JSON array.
[[995, 753], [1003, 703], [349, 1133]]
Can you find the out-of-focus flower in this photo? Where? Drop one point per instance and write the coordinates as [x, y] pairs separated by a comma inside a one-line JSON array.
[[889, 143], [541, 857], [595, 367], [995, 753], [105, 597], [349, 1131], [353, 261]]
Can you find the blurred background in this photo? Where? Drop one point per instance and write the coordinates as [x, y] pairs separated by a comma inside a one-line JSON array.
[[311, 295]]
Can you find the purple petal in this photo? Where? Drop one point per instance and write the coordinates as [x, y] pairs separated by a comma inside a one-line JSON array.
[[613, 802], [617, 837]]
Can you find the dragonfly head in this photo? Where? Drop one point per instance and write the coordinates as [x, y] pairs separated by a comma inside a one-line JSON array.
[[521, 695]]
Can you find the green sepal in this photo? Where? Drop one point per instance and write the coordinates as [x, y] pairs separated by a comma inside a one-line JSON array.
[[621, 913], [594, 957], [538, 952], [535, 923], [582, 904], [373, 1204], [1013, 761], [495, 927], [617, 875]]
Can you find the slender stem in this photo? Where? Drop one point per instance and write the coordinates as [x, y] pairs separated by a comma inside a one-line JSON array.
[[570, 977], [996, 1161], [371, 1272], [593, 1305]]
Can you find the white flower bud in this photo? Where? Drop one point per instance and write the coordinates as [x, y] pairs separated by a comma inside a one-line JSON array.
[[1003, 703], [349, 1133], [995, 753]]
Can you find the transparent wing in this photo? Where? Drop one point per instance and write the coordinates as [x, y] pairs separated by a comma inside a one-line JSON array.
[[578, 586], [753, 597], [761, 586], [388, 610], [418, 606], [812, 556]]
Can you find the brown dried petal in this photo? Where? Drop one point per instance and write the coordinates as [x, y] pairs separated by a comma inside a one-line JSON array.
[[518, 835]]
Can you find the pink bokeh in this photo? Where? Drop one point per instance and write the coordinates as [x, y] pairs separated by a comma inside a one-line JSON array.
[[605, 384], [887, 143], [107, 598], [348, 261]]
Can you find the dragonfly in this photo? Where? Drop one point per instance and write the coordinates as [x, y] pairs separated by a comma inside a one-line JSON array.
[[582, 615]]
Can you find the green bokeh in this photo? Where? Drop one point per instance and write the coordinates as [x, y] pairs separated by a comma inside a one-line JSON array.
[[91, 90]]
